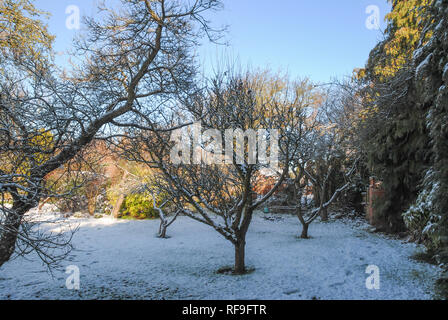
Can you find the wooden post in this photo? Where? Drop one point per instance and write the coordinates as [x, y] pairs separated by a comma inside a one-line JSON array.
[[375, 193]]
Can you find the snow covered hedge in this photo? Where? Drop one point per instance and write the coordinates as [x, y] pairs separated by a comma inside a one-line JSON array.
[[421, 219]]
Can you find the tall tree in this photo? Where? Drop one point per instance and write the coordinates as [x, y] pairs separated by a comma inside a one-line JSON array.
[[136, 60], [217, 188], [393, 129], [402, 36], [428, 216], [319, 155]]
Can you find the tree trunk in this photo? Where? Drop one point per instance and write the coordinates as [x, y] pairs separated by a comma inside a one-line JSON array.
[[116, 210], [240, 267], [323, 199], [42, 203], [324, 214], [91, 205], [10, 231], [304, 234], [162, 230]]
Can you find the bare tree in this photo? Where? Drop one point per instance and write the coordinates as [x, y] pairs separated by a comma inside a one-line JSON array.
[[161, 202], [323, 205], [217, 190], [165, 220], [134, 62], [320, 153]]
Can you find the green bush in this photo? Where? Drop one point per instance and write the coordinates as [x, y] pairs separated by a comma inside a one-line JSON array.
[[421, 220], [139, 206]]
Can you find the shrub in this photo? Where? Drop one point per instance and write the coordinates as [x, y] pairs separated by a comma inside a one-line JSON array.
[[74, 201], [81, 190], [139, 206], [421, 220]]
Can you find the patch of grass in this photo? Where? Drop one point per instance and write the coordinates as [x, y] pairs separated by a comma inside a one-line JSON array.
[[123, 217], [416, 274], [442, 289], [307, 238], [230, 272], [424, 256]]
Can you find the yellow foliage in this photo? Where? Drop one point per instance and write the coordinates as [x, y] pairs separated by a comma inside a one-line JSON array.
[[405, 28], [22, 33], [41, 144]]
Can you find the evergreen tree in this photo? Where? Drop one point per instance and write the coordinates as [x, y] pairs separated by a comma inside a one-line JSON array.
[[431, 79], [393, 127]]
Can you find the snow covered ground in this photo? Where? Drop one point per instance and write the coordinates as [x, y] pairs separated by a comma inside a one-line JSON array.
[[124, 260]]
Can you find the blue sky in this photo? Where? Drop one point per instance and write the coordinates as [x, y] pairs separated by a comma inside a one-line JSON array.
[[319, 39]]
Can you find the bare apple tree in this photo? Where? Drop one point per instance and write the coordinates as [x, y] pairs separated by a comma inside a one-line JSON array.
[[134, 61], [166, 218], [212, 184], [319, 155], [161, 202]]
